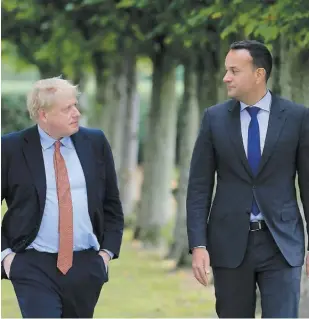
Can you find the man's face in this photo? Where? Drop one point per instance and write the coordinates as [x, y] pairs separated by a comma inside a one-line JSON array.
[[63, 117], [241, 76]]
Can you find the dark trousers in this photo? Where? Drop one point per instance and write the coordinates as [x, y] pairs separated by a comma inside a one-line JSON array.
[[265, 266], [43, 292]]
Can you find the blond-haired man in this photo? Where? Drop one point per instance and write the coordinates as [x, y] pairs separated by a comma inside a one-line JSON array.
[[64, 220]]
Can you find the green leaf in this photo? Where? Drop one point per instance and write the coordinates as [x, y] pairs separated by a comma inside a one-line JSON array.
[[125, 4], [249, 29], [227, 31], [137, 32], [187, 43], [216, 15]]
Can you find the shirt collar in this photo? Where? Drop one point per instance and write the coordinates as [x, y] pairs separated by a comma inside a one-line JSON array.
[[47, 141], [264, 103]]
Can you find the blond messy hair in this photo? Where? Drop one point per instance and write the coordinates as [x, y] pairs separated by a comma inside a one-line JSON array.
[[44, 93]]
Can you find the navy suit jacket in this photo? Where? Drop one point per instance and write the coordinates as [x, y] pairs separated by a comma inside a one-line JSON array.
[[23, 186], [222, 223]]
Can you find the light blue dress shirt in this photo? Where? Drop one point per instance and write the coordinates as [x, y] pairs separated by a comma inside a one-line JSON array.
[[47, 239], [263, 118]]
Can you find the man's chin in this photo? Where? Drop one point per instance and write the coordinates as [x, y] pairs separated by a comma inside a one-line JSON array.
[[75, 125], [75, 129], [230, 93]]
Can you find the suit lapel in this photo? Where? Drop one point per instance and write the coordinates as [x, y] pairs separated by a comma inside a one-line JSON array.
[[236, 137], [34, 157], [86, 157], [277, 119], [276, 122]]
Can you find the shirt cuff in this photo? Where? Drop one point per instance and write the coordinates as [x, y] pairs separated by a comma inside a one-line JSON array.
[[5, 252], [199, 247], [111, 255]]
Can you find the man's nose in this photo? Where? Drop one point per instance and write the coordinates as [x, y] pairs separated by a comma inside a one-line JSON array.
[[76, 112], [226, 78]]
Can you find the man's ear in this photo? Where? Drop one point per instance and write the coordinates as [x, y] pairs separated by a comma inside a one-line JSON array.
[[42, 115], [260, 75]]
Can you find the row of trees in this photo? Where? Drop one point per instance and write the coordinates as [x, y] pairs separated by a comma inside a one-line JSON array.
[[108, 38]]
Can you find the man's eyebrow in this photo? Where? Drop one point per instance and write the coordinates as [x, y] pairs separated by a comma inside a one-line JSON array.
[[70, 104], [232, 67]]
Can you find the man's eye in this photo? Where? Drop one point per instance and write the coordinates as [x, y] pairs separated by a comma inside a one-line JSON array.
[[67, 109]]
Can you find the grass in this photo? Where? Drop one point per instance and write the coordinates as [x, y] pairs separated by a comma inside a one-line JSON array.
[[140, 286]]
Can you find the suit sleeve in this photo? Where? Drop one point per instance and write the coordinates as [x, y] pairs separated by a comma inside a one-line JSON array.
[[200, 187], [4, 188], [113, 214], [4, 171], [303, 167]]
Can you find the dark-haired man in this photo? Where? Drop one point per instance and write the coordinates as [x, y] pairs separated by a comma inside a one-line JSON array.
[[252, 232]]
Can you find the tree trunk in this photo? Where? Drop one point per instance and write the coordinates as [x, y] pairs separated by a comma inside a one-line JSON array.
[[286, 69], [223, 50], [305, 80], [297, 77], [189, 128], [101, 115], [207, 69], [81, 80], [127, 176], [159, 152], [300, 84], [274, 81], [117, 107]]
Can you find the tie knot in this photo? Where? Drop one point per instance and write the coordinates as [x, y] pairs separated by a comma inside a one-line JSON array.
[[253, 111], [57, 145]]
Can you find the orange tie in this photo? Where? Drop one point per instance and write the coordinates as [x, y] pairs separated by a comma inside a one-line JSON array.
[[65, 253]]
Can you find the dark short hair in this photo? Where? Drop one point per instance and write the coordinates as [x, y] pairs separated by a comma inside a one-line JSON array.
[[260, 54]]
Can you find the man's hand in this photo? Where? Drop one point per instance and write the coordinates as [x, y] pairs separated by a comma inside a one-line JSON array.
[[106, 257], [307, 264], [7, 262], [201, 265]]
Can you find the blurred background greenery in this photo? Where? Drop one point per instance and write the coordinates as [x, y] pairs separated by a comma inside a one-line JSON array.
[[146, 71]]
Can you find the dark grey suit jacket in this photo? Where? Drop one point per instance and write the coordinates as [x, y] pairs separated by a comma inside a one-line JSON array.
[[222, 224]]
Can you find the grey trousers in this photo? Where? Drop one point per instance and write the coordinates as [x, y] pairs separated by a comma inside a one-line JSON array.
[[265, 266]]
